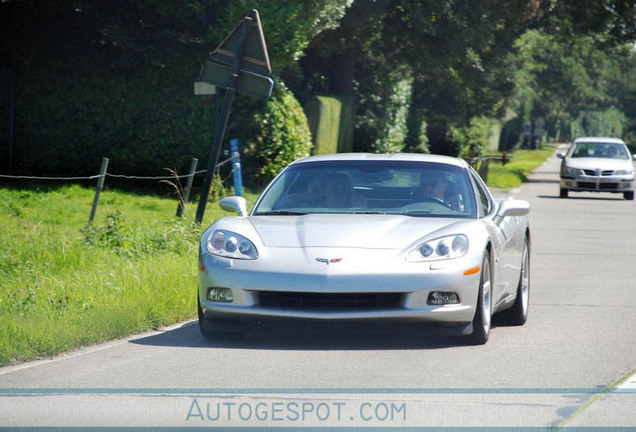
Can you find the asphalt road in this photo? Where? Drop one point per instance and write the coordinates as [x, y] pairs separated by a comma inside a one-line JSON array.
[[570, 365]]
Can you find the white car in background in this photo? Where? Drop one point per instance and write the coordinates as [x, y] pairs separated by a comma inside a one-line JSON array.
[[597, 165]]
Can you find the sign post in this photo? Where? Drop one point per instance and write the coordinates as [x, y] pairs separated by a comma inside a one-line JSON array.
[[236, 167], [239, 64]]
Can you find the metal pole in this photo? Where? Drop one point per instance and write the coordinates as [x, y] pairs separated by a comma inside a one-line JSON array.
[[214, 153], [186, 192], [236, 167], [98, 189], [223, 118]]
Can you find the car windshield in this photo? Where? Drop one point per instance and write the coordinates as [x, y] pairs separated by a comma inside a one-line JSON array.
[[605, 150], [370, 187]]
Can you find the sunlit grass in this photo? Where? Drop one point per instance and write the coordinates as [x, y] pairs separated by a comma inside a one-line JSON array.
[[515, 172], [63, 285]]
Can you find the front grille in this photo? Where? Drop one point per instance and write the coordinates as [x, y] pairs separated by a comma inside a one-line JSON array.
[[586, 185], [595, 173], [330, 301], [608, 186]]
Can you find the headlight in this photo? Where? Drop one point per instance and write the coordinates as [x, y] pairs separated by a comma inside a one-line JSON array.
[[231, 245], [574, 171], [623, 172], [448, 247]]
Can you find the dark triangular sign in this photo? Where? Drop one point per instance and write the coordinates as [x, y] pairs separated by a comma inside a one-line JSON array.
[[255, 58]]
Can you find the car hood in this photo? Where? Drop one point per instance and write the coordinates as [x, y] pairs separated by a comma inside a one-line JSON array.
[[599, 163], [344, 230]]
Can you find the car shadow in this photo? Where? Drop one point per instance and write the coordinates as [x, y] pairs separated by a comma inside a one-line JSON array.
[[583, 198], [538, 180], [390, 338]]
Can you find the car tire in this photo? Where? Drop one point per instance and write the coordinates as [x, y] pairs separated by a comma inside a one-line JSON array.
[[563, 193], [482, 321], [518, 314], [629, 195], [211, 330]]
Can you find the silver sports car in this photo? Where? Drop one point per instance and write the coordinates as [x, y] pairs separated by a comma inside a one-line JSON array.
[[361, 238]]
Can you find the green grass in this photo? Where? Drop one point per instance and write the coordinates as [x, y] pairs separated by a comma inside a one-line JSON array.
[[64, 284], [515, 172]]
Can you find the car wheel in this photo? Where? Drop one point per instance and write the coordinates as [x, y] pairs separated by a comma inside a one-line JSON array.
[[629, 195], [563, 193], [483, 313], [518, 313], [211, 330]]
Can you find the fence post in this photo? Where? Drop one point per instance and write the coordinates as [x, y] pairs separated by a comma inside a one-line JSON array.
[[98, 189], [483, 169], [186, 192]]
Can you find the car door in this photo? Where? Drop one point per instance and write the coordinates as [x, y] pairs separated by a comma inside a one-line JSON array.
[[506, 255]]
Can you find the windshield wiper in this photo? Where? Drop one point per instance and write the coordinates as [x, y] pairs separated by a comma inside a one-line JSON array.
[[280, 213]]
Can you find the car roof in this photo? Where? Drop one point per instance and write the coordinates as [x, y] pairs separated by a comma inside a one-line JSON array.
[[407, 157], [599, 140]]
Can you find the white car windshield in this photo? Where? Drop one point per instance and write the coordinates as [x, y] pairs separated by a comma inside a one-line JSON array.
[[370, 187], [604, 150]]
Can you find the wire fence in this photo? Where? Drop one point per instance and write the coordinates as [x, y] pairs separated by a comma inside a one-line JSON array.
[[101, 177], [123, 176]]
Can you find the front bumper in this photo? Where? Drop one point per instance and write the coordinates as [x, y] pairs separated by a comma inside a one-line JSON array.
[[393, 293], [585, 183]]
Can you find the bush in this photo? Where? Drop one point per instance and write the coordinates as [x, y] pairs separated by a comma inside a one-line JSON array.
[[283, 136], [473, 139]]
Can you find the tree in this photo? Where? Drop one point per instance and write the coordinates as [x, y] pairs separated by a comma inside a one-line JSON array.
[[459, 53], [571, 80], [608, 22]]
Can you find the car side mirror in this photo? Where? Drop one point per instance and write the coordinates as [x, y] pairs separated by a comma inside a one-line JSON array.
[[234, 203], [513, 207], [560, 155], [634, 157]]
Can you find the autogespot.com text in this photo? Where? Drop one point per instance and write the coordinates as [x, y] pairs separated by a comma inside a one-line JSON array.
[[221, 411]]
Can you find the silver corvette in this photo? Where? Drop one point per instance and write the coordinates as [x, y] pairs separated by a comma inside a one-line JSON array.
[[361, 238]]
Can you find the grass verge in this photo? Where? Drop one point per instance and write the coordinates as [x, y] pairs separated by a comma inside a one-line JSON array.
[[515, 172], [64, 284]]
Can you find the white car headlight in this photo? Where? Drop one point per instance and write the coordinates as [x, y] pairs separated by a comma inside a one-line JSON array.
[[574, 171], [623, 172], [231, 245], [448, 247]]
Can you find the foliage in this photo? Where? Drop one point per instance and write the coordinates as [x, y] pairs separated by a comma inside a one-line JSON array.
[[574, 84], [115, 78], [609, 22], [288, 26], [118, 82], [283, 135], [382, 108], [324, 114], [458, 52], [64, 284], [610, 122], [473, 138]]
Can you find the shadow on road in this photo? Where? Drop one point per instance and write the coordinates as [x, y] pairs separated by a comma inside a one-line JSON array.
[[392, 338], [582, 198], [537, 180]]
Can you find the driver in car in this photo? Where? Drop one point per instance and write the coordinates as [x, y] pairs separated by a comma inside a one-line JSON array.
[[435, 187]]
